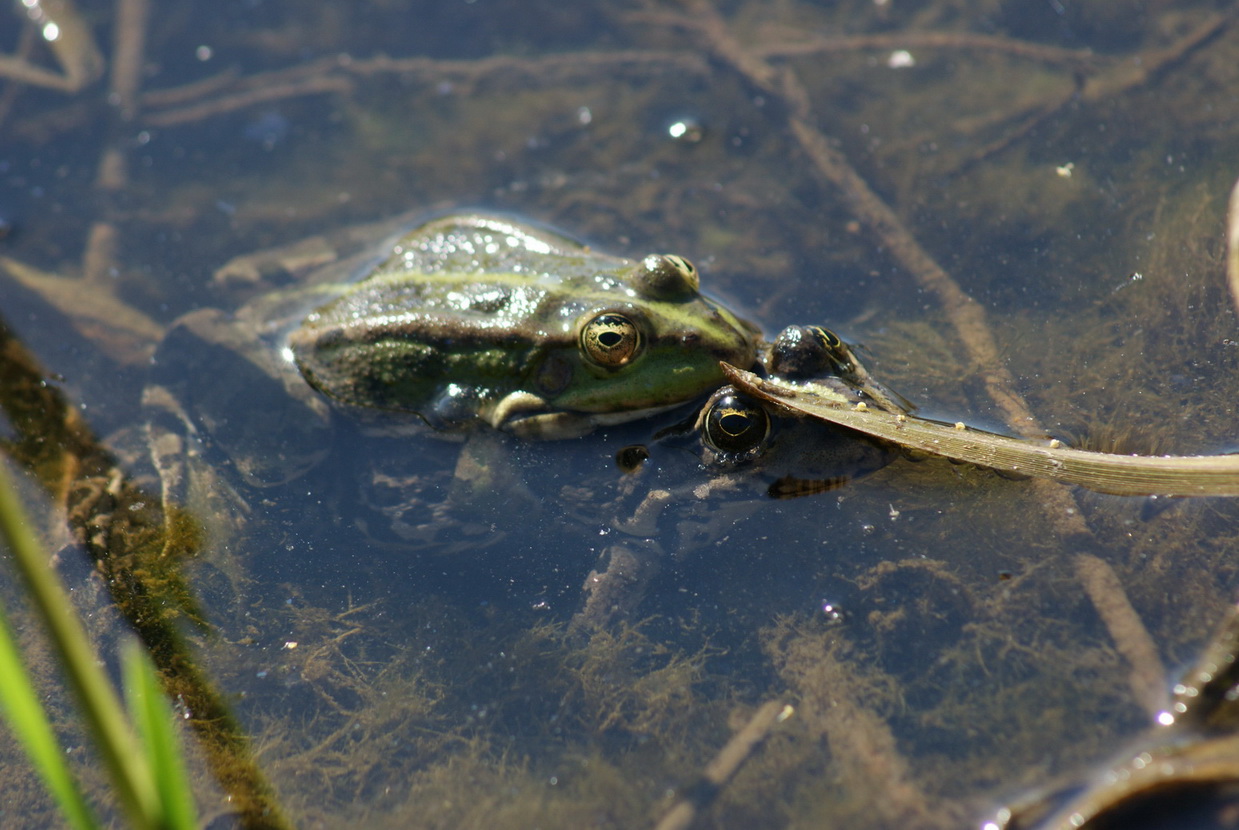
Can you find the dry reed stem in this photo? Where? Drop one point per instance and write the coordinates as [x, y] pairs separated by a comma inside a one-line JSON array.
[[1232, 246], [955, 41]]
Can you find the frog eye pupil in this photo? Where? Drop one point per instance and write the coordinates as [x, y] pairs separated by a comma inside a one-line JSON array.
[[828, 337], [610, 340], [682, 263], [736, 424]]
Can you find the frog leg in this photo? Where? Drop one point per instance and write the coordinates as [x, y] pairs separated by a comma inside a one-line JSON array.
[[72, 45], [176, 452], [618, 584], [220, 364]]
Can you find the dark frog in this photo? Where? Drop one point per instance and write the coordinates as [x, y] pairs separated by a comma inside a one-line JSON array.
[[699, 479]]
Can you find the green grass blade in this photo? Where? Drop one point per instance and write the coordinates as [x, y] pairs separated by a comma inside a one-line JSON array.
[[152, 716], [29, 723], [97, 700]]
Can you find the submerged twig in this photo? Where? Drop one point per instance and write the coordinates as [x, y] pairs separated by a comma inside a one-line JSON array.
[[13, 88], [228, 103], [1130, 74], [128, 55], [63, 29], [1131, 638], [952, 41], [121, 331], [336, 74], [99, 260], [725, 765], [1116, 79]]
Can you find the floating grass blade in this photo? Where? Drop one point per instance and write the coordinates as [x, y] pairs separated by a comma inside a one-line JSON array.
[[1124, 475]]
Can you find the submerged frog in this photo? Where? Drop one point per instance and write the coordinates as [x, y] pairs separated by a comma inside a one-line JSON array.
[[739, 430], [462, 321], [736, 441]]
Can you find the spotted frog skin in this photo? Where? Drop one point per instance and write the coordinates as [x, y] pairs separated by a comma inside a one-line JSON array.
[[462, 322], [472, 318]]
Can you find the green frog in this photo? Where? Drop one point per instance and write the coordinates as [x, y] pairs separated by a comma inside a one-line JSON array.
[[473, 317], [463, 321]]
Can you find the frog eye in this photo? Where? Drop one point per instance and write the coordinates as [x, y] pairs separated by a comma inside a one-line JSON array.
[[666, 277], [735, 424], [798, 353], [836, 351], [801, 352], [610, 340], [827, 337]]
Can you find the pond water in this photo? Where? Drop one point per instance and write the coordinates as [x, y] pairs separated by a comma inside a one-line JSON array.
[[404, 654]]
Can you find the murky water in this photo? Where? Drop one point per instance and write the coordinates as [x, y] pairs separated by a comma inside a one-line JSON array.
[[427, 676]]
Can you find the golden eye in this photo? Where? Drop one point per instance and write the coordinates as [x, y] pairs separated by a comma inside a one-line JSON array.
[[666, 277], [827, 337], [836, 351], [610, 340], [735, 424]]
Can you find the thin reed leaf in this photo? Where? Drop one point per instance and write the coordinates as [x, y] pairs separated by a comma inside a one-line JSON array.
[[30, 724], [153, 717], [1123, 475], [97, 700]]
